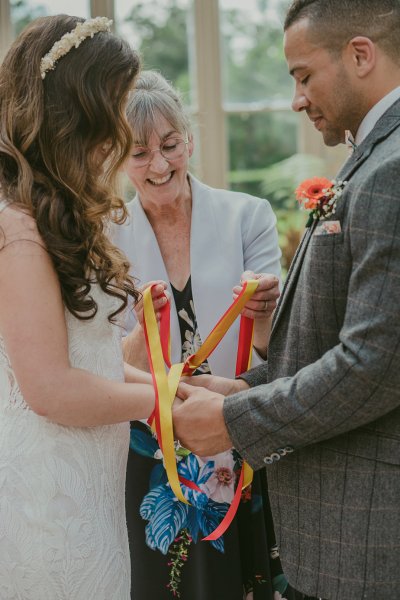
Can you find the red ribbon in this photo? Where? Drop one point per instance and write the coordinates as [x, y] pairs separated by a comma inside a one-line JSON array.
[[193, 362]]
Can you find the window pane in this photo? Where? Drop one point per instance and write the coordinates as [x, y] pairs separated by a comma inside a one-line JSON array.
[[24, 11], [259, 140], [264, 163], [159, 31], [254, 67]]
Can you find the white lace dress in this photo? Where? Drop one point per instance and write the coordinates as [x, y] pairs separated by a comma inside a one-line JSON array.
[[62, 500]]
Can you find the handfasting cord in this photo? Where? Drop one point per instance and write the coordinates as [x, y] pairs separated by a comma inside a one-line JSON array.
[[158, 350]]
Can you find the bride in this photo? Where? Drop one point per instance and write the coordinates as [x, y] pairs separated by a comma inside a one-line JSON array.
[[65, 398]]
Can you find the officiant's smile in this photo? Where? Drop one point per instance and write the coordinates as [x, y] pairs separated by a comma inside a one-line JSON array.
[[158, 167]]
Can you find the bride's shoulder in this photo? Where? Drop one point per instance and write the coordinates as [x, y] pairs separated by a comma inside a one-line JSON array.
[[16, 224]]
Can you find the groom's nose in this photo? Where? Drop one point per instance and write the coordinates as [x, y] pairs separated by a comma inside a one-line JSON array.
[[300, 101]]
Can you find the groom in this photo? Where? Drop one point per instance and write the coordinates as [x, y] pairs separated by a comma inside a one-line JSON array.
[[323, 414]]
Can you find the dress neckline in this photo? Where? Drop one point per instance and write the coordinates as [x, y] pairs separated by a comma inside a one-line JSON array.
[[182, 291]]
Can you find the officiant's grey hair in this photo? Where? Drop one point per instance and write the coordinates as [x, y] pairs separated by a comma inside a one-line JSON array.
[[153, 97]]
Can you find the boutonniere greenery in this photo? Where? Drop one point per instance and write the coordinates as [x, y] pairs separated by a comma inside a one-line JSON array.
[[319, 195]]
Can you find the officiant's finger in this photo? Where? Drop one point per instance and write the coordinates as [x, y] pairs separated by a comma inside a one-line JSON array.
[[263, 313], [154, 282], [268, 288], [264, 304], [266, 281], [159, 296], [258, 302]]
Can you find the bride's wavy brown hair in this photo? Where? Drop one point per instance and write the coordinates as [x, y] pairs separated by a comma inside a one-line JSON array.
[[62, 142]]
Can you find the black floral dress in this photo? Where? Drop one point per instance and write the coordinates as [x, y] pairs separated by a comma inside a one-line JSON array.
[[169, 560]]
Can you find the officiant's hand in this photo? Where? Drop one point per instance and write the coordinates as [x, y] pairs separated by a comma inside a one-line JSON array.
[[263, 302], [198, 422], [159, 295], [260, 307]]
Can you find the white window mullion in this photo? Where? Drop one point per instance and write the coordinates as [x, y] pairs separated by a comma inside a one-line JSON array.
[[6, 30], [210, 113], [102, 8]]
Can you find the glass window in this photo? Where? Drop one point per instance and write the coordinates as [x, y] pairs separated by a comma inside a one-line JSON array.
[[264, 162], [24, 11], [262, 129], [159, 31], [253, 61], [257, 141]]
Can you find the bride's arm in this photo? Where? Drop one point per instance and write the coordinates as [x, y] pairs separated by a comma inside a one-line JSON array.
[[33, 328], [134, 375]]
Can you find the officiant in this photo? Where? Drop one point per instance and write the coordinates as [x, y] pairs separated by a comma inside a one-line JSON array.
[[199, 244]]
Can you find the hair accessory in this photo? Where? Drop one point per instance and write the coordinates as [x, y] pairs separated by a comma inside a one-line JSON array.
[[72, 39]]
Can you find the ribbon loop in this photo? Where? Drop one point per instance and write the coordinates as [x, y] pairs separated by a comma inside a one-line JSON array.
[[158, 350]]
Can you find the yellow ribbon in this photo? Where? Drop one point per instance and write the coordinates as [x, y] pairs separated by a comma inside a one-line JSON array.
[[168, 384]]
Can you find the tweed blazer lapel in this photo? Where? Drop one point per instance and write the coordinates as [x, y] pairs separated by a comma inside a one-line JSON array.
[[384, 127], [293, 272], [388, 122]]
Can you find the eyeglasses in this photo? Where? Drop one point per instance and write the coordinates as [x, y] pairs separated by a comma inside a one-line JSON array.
[[171, 149]]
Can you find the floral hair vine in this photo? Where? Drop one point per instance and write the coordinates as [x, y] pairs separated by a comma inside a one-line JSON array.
[[72, 39], [319, 195]]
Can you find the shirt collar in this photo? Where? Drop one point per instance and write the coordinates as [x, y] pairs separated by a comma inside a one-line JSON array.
[[373, 116]]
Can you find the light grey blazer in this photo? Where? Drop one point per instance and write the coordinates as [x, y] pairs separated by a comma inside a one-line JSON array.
[[331, 391], [230, 232]]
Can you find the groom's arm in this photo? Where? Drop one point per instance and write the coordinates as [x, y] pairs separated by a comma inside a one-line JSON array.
[[357, 381]]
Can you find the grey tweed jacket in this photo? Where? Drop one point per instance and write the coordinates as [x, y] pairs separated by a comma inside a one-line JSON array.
[[331, 391]]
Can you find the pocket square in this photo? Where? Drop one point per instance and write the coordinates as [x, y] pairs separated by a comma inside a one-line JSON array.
[[328, 228]]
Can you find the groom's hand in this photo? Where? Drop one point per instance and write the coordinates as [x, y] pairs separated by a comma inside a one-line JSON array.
[[199, 423]]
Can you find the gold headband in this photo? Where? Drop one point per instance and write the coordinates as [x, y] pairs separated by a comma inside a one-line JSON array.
[[72, 39]]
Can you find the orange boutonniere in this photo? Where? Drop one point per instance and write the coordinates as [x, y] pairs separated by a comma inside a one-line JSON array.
[[319, 195]]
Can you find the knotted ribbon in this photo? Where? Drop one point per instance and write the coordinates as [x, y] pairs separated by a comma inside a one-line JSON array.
[[165, 385]]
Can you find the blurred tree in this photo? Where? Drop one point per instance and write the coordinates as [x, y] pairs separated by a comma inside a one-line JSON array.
[[23, 13], [254, 70], [255, 66], [279, 182], [257, 140], [162, 35]]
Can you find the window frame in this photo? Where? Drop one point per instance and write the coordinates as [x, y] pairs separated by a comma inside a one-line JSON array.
[[209, 110]]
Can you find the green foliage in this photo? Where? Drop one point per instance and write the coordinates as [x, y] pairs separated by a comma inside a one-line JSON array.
[[22, 13], [259, 71], [254, 68], [282, 178], [256, 71], [163, 39], [260, 139], [278, 184]]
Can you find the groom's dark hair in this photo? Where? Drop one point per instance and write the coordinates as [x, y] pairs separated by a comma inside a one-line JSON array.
[[336, 22]]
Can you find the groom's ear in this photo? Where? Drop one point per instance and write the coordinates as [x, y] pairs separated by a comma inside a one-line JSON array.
[[362, 53]]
